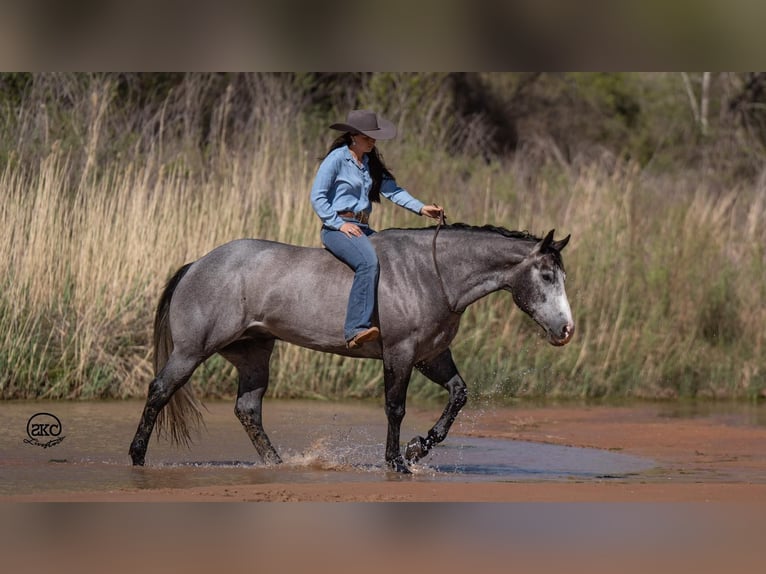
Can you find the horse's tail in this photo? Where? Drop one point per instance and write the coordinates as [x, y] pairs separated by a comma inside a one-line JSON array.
[[183, 413]]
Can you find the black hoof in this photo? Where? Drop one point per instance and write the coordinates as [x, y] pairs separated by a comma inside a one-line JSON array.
[[416, 449], [398, 465], [137, 456]]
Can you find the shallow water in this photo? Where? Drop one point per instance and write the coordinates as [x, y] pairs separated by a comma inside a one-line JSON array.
[[318, 441]]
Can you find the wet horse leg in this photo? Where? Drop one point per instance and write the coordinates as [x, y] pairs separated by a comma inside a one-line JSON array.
[[441, 370], [396, 377], [171, 378], [251, 358]]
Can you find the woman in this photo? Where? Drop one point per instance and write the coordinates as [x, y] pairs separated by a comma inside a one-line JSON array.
[[352, 176]]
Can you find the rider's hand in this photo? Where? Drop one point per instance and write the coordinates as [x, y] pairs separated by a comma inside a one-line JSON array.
[[351, 229], [433, 211]]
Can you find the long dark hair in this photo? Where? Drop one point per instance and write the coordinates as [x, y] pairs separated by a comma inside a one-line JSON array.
[[378, 169]]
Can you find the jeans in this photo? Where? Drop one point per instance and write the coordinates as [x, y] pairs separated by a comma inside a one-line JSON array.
[[359, 254]]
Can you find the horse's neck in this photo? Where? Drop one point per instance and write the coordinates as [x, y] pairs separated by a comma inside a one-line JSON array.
[[474, 265]]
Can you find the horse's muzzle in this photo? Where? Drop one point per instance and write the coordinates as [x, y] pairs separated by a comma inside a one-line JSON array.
[[562, 338]]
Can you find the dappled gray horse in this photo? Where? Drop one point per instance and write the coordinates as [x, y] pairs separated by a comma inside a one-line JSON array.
[[244, 295]]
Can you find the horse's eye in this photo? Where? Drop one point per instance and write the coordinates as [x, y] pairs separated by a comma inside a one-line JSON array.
[[547, 276]]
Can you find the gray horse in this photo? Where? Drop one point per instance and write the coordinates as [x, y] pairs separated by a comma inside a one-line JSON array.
[[243, 296]]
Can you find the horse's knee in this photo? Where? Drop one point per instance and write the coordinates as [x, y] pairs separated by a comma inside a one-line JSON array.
[[248, 405], [243, 412], [460, 395], [395, 412], [248, 414]]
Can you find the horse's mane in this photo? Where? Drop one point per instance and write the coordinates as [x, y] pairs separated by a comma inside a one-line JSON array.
[[520, 235], [513, 234], [526, 235]]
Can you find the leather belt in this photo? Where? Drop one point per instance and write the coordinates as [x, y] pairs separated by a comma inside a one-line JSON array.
[[361, 216]]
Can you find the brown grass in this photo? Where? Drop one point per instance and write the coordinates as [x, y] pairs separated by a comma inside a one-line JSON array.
[[665, 273]]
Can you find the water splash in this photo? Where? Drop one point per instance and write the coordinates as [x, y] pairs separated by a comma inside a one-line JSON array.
[[343, 451]]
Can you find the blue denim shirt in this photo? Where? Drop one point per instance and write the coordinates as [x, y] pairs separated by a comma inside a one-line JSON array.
[[341, 184]]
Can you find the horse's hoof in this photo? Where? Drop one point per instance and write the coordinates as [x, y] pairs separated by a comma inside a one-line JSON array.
[[398, 465], [136, 456], [416, 449]]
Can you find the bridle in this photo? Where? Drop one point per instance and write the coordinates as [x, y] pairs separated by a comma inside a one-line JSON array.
[[442, 222]]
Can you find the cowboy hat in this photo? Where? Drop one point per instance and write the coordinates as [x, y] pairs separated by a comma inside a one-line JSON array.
[[369, 123]]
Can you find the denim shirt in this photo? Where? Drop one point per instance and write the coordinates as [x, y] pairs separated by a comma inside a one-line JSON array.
[[341, 184]]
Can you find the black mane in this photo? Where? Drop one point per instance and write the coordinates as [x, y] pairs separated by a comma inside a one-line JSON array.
[[511, 234], [526, 235], [495, 229]]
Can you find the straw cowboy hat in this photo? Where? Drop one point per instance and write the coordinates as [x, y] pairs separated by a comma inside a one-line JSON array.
[[369, 123]]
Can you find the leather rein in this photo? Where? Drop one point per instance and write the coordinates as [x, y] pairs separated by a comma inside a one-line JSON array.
[[442, 221]]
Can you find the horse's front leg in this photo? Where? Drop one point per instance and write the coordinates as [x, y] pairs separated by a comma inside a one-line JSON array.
[[396, 376], [441, 370]]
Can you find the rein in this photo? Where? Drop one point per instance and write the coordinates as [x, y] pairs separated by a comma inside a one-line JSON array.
[[442, 221]]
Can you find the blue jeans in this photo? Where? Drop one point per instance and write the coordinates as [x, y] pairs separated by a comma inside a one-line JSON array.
[[359, 254]]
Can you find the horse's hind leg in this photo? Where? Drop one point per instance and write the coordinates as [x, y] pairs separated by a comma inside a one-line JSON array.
[[251, 358], [172, 377], [441, 370]]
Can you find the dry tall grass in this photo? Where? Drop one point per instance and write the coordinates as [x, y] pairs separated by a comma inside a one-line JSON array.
[[666, 276], [83, 269]]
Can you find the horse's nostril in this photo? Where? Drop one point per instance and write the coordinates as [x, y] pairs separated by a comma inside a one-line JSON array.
[[564, 335]]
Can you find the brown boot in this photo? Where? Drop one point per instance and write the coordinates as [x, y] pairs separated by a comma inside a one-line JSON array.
[[371, 334]]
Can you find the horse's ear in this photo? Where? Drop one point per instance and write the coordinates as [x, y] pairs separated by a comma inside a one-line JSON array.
[[561, 243], [545, 244]]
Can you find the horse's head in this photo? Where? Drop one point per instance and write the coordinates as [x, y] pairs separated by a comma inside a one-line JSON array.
[[537, 286]]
